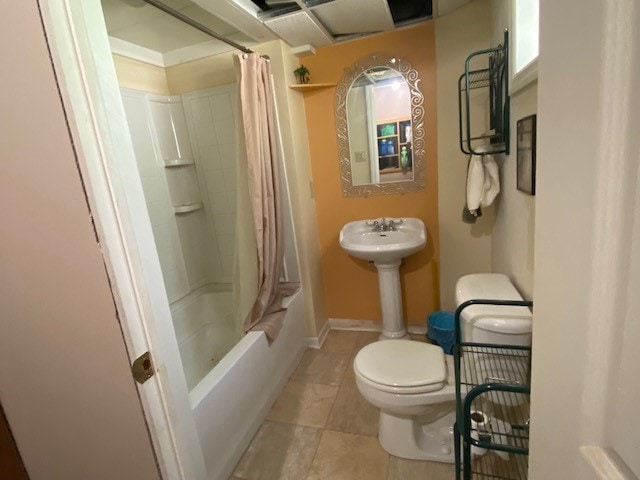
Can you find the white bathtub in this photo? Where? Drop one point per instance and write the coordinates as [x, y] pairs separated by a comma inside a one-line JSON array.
[[205, 329], [230, 402]]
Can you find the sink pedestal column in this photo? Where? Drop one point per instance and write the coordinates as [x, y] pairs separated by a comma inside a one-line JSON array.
[[391, 300]]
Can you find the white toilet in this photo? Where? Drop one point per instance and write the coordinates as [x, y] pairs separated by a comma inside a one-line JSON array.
[[412, 383]]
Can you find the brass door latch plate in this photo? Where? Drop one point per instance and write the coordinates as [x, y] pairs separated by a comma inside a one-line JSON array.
[[142, 368]]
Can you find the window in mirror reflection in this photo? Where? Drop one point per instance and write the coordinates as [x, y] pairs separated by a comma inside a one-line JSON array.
[[379, 126]]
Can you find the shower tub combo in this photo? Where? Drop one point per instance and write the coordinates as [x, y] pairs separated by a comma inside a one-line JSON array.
[[232, 378], [230, 400]]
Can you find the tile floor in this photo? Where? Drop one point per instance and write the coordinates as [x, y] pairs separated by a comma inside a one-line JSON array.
[[321, 428]]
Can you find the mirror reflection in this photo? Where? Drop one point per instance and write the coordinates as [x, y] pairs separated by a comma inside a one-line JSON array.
[[379, 127]]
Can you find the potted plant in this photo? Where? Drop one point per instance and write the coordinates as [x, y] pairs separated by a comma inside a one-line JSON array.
[[302, 73]]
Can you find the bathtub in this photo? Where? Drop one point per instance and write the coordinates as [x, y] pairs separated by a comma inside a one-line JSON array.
[[205, 329], [230, 401]]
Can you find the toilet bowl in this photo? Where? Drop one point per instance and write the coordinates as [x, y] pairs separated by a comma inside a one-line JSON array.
[[412, 383], [414, 389]]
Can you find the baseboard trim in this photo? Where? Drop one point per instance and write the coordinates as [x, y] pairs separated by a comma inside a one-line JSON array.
[[353, 324], [356, 326], [316, 342], [369, 326]]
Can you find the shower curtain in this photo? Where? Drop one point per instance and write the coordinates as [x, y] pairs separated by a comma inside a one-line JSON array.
[[259, 249]]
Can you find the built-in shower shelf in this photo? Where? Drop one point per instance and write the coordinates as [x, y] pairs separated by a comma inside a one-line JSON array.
[[308, 87], [178, 162], [186, 208]]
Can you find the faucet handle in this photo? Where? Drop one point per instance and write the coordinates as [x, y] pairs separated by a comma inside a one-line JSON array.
[[394, 223]]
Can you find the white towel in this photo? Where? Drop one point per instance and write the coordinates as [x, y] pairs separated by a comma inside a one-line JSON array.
[[483, 181]]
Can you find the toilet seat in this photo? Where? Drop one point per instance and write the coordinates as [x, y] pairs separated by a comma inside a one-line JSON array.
[[402, 366]]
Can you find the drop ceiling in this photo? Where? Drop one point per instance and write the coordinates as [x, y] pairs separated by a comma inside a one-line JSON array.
[[141, 31]]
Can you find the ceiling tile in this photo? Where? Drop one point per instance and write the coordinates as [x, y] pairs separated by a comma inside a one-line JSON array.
[[298, 29], [340, 16]]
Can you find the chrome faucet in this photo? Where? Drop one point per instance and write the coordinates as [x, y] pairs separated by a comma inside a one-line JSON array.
[[386, 225]]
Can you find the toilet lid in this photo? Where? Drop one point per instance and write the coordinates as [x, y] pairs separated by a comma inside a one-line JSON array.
[[402, 363]]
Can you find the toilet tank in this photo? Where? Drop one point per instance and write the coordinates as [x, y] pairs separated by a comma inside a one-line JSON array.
[[502, 325]]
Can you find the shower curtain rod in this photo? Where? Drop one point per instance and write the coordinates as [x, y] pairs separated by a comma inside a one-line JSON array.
[[180, 16]]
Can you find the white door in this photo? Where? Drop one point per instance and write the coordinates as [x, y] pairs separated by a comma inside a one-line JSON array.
[[87, 80]]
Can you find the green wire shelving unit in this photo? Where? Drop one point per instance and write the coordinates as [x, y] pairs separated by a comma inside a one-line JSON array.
[[493, 380]]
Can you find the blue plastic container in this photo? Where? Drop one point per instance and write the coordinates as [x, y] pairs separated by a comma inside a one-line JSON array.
[[441, 329]]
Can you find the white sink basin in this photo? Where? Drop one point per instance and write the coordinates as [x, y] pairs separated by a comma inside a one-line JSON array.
[[363, 240]]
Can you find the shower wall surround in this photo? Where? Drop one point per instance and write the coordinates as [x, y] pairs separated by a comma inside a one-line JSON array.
[[177, 195], [217, 71], [156, 192], [210, 116], [198, 249]]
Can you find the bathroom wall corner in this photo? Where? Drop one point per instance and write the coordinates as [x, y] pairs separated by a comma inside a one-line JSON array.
[[464, 248], [293, 125], [514, 231], [140, 76]]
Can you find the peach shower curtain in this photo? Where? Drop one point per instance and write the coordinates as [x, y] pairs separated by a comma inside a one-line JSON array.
[[259, 232]]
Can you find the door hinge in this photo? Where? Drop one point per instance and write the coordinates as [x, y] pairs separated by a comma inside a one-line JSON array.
[[142, 368]]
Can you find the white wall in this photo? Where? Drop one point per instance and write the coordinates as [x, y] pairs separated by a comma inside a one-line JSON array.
[[513, 235], [464, 248], [584, 397]]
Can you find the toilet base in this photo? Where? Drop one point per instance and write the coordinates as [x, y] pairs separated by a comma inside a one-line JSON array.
[[404, 437]]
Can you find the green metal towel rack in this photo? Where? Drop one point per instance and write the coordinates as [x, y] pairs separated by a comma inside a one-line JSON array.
[[493, 78]]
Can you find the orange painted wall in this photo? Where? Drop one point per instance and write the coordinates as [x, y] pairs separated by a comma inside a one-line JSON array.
[[351, 285]]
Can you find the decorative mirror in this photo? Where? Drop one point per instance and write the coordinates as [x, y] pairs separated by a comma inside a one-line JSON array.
[[380, 126]]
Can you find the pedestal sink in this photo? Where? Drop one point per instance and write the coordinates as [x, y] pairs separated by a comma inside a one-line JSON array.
[[385, 242]]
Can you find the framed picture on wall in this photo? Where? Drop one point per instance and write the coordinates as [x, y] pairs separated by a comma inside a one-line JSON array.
[[526, 155]]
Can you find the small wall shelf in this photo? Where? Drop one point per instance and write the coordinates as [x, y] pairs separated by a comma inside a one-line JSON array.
[[178, 162], [309, 87], [186, 208]]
